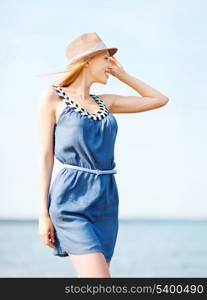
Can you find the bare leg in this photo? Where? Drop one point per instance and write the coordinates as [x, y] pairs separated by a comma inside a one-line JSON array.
[[108, 263], [90, 265]]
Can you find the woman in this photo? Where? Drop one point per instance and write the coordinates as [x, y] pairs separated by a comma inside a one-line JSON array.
[[79, 212]]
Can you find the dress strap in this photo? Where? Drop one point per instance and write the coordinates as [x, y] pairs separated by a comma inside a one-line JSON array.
[[102, 113], [61, 94], [101, 103]]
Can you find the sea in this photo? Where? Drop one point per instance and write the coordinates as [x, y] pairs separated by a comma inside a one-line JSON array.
[[144, 248]]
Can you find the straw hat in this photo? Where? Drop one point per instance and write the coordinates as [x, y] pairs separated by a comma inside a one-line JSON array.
[[84, 46]]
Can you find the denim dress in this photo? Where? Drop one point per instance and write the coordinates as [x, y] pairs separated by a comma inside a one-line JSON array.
[[84, 206]]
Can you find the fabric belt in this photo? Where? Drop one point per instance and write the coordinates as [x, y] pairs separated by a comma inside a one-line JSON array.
[[96, 171]]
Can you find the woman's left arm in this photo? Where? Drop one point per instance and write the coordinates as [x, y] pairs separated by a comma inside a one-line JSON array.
[[151, 98]]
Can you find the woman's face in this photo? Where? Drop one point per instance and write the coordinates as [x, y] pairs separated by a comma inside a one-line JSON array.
[[98, 67]]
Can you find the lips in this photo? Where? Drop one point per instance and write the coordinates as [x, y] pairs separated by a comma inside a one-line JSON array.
[[107, 74]]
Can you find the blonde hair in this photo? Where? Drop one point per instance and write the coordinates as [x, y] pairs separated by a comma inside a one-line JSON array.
[[72, 73]]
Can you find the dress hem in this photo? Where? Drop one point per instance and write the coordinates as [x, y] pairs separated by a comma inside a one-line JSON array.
[[64, 254]]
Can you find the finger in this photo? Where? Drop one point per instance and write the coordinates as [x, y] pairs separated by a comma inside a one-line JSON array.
[[52, 235], [48, 243]]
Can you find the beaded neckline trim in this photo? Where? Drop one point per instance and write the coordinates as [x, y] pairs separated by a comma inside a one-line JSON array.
[[101, 114]]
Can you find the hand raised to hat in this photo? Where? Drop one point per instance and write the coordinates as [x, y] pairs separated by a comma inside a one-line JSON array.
[[116, 69]]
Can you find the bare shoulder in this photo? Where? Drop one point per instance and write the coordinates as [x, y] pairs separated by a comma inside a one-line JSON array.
[[49, 103], [49, 97]]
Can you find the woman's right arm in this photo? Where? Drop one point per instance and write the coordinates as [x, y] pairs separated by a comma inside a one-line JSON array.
[[45, 124]]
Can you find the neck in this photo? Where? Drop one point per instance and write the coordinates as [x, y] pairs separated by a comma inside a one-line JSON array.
[[80, 87]]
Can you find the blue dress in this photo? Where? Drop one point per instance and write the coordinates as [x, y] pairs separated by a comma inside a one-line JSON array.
[[83, 207]]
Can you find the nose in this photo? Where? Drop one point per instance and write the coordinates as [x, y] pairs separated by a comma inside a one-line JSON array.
[[110, 62]]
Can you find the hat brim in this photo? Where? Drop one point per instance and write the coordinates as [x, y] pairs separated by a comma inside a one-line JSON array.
[[112, 51]]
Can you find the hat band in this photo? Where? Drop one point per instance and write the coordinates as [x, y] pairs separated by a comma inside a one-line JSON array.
[[98, 46]]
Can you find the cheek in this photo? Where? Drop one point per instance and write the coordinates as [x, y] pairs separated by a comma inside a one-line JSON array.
[[97, 71]]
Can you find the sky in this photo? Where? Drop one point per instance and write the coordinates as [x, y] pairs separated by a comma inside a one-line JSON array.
[[160, 154]]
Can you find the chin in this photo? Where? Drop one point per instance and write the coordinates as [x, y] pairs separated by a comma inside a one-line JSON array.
[[104, 81], [101, 81]]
